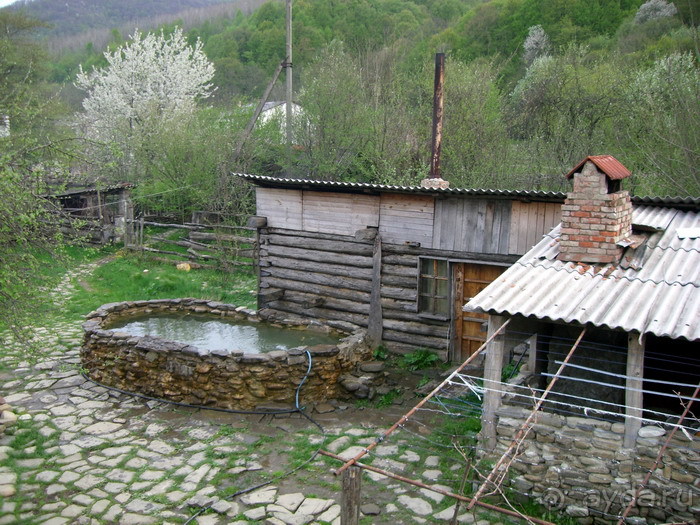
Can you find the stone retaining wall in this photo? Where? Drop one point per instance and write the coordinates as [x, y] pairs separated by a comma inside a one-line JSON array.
[[578, 466], [187, 374]]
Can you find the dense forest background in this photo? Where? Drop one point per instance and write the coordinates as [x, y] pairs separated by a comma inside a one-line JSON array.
[[532, 87]]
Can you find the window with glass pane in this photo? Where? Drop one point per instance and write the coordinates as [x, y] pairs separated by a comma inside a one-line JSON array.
[[433, 287]]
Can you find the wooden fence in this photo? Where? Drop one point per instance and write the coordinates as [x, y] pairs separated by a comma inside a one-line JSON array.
[[201, 245]]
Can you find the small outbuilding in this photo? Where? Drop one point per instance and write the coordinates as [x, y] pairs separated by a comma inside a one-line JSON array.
[[609, 301], [104, 212], [400, 261]]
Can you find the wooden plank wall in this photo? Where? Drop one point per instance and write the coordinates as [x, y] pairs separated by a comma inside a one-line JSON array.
[[311, 264], [340, 213], [529, 221], [406, 218], [472, 225], [281, 207], [329, 277]]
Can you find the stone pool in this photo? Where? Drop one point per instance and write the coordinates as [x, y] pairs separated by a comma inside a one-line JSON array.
[[235, 378]]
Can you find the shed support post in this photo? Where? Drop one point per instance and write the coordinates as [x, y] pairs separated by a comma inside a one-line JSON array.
[[493, 367], [532, 354], [633, 388], [350, 497]]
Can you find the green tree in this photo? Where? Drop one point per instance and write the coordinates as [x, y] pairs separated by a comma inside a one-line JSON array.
[[27, 154], [189, 167], [563, 108], [662, 126], [336, 127], [475, 145]]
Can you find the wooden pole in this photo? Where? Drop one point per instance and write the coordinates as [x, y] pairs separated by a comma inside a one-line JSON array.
[[251, 123], [288, 78], [432, 488], [493, 367], [375, 321], [633, 389], [524, 428], [350, 498], [532, 355]]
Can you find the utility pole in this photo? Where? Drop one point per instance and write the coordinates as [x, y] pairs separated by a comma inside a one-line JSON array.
[[288, 72]]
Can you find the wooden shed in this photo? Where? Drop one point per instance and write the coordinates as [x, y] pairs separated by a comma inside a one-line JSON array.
[[400, 261], [104, 212], [609, 303]]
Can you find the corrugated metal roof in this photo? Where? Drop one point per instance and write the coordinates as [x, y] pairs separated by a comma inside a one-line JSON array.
[[361, 187], [661, 297], [94, 189], [608, 164]]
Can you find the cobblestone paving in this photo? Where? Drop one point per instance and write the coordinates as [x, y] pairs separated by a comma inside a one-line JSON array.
[[80, 453]]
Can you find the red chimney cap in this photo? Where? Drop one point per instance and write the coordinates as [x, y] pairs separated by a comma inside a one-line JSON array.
[[608, 164]]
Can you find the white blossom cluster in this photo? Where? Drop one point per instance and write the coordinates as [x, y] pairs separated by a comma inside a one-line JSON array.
[[653, 10], [536, 44], [4, 126], [152, 80], [671, 78]]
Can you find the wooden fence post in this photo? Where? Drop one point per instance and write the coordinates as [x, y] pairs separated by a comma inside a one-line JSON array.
[[350, 498]]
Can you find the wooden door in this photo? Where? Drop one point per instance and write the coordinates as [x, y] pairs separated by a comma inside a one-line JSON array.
[[470, 327]]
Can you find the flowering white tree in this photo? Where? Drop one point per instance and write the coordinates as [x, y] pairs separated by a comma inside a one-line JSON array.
[[536, 44], [653, 10], [151, 83]]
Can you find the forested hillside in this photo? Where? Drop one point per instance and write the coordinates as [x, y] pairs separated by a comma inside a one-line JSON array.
[[72, 24], [532, 87], [75, 16]]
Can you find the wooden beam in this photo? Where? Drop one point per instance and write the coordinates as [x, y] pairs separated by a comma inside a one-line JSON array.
[[532, 354], [493, 367], [633, 388], [498, 472], [350, 497], [375, 321]]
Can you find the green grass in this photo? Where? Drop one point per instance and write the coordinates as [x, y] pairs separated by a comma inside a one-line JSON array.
[[129, 277], [44, 276], [419, 359], [388, 398]]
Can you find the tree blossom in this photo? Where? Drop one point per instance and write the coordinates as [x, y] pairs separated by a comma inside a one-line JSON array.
[[151, 81], [653, 10], [536, 44]]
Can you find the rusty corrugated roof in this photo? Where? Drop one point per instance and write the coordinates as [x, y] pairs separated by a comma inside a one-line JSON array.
[[608, 164], [661, 296]]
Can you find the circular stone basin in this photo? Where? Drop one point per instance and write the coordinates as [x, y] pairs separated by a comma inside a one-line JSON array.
[[227, 374], [222, 334]]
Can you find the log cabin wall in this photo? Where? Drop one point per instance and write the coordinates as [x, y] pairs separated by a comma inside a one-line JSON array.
[[316, 253]]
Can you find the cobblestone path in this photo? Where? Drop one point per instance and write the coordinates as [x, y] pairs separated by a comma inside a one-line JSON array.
[[82, 454]]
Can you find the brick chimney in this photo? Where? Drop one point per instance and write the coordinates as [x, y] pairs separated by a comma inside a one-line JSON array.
[[596, 215]]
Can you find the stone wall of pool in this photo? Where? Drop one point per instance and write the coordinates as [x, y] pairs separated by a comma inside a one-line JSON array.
[[226, 379]]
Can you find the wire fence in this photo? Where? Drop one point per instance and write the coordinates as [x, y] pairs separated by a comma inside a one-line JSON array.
[[571, 459]]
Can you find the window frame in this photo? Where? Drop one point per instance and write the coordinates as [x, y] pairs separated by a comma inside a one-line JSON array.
[[433, 278]]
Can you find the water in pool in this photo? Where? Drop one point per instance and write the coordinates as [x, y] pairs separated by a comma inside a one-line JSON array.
[[214, 334]]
